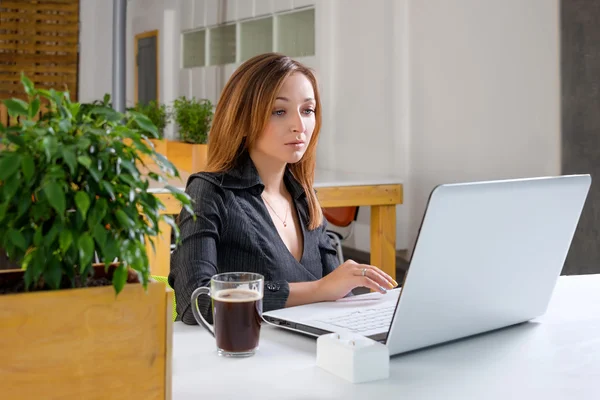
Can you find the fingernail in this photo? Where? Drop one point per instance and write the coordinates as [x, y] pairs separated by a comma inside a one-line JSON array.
[[391, 285], [382, 289], [395, 283]]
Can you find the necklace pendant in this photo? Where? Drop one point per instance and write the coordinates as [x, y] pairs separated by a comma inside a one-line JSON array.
[[284, 225]]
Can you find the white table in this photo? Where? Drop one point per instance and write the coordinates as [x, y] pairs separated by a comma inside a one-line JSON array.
[[556, 356]]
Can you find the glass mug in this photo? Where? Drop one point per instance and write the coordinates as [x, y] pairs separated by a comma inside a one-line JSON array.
[[236, 299]]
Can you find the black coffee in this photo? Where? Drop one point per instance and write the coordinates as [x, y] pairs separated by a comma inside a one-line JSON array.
[[237, 316]]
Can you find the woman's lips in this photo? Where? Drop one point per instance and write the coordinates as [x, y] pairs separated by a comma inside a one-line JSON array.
[[295, 146]]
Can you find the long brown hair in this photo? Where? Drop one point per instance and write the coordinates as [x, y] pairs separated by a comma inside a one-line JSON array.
[[243, 112]]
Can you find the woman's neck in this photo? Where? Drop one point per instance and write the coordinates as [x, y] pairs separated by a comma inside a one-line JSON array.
[[271, 173]]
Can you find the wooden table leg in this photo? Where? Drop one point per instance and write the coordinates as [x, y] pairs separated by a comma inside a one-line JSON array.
[[383, 238], [160, 261]]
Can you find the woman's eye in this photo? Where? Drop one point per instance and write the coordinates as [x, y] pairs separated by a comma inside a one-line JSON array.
[[279, 112], [309, 111]]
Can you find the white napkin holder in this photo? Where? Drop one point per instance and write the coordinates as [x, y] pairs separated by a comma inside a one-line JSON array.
[[353, 357]]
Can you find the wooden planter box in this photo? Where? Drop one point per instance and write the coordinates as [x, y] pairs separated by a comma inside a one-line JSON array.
[[187, 157], [86, 343]]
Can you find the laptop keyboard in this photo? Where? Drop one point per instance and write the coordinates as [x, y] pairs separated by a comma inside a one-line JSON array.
[[367, 320]]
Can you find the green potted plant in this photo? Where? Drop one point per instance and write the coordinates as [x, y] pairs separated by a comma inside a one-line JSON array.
[[159, 115], [193, 118], [71, 196]]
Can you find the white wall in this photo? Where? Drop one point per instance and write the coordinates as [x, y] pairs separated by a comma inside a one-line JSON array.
[[431, 90], [207, 82], [484, 93], [443, 91], [95, 54], [163, 16], [144, 16], [368, 107]]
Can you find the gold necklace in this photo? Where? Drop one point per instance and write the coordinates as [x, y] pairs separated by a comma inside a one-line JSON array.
[[284, 221]]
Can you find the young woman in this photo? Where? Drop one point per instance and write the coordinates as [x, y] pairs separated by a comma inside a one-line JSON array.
[[256, 210]]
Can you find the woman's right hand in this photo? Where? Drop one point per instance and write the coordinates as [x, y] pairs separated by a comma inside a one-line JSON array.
[[350, 275]]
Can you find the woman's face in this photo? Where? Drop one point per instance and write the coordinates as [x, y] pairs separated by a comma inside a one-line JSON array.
[[292, 122]]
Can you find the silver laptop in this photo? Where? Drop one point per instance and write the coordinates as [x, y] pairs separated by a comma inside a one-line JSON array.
[[487, 256]]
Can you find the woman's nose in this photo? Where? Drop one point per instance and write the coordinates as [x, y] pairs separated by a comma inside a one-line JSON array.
[[297, 124]]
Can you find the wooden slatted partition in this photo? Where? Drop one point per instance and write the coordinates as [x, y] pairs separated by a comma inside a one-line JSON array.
[[39, 38]]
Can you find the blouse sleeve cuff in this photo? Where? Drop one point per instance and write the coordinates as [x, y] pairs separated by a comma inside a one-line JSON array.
[[276, 294]]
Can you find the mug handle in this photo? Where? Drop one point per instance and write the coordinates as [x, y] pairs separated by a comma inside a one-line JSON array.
[[199, 318]]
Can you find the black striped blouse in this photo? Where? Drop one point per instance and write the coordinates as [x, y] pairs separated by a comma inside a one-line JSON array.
[[234, 232]]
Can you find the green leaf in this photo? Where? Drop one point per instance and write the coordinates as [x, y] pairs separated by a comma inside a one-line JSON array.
[[55, 173], [69, 272], [38, 262], [9, 164], [27, 124], [69, 157], [108, 113], [3, 208], [27, 85], [129, 180], [166, 165], [109, 188], [45, 93], [124, 219], [50, 146], [111, 250], [156, 177], [101, 207], [100, 235], [82, 200], [65, 125], [97, 213], [84, 143], [65, 240], [11, 186], [56, 197], [38, 237], [24, 205], [35, 107], [184, 198], [16, 139], [144, 123], [120, 278], [95, 174], [75, 107], [28, 277], [52, 234], [85, 161], [16, 107], [175, 190], [27, 166], [131, 168], [56, 96], [85, 270], [33, 268], [53, 274], [86, 250], [18, 239]]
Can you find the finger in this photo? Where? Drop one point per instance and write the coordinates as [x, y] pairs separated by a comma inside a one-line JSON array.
[[367, 282], [381, 278], [388, 283]]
